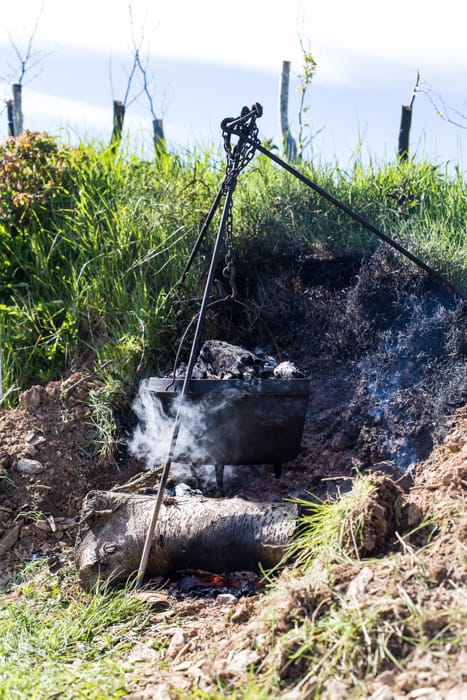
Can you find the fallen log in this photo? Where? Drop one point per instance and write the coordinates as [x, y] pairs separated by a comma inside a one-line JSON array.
[[217, 535]]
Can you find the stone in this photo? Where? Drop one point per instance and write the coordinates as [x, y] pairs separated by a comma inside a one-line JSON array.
[[226, 599], [153, 599], [384, 692], [10, 539], [458, 692], [30, 400], [178, 641], [412, 514], [358, 585], [34, 438], [240, 661], [30, 466]]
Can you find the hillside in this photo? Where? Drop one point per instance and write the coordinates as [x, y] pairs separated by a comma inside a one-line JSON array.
[[372, 600]]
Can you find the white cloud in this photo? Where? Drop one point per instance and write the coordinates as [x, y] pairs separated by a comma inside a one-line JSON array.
[[257, 35], [40, 106]]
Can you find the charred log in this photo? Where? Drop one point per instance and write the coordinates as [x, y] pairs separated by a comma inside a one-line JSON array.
[[218, 535]]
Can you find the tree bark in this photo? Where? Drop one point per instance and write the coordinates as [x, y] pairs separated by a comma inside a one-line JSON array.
[[10, 116], [406, 122], [289, 142], [158, 135], [217, 535]]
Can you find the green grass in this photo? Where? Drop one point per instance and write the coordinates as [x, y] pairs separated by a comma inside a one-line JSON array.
[[330, 530], [56, 642], [86, 275], [320, 632], [93, 243]]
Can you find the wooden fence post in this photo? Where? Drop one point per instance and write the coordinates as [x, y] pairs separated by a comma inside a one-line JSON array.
[[406, 122], [118, 118], [17, 109], [11, 121], [290, 145], [404, 132], [158, 135]]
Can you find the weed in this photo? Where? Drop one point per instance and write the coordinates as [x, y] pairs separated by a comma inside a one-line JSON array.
[[103, 423]]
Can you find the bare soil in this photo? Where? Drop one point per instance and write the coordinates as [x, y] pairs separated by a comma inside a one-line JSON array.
[[372, 409], [202, 641], [47, 466]]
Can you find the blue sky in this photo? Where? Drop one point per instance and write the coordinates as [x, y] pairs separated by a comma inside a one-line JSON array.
[[207, 59]]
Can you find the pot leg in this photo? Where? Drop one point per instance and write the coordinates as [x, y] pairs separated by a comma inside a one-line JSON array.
[[278, 471], [219, 476]]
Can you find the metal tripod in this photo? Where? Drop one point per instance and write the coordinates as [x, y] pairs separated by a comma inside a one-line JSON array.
[[244, 129]]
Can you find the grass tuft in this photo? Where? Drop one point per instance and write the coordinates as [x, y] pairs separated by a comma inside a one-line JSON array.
[[57, 642]]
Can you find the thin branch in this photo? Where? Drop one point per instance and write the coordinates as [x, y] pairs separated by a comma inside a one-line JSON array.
[[130, 79], [135, 98], [111, 79], [137, 63], [415, 90], [443, 110], [25, 60], [146, 88]]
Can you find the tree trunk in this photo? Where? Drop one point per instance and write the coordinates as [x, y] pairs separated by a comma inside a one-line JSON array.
[[290, 146], [17, 110], [217, 535], [118, 118]]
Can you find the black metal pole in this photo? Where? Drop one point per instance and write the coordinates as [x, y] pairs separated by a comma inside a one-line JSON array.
[[202, 233], [354, 215], [186, 385]]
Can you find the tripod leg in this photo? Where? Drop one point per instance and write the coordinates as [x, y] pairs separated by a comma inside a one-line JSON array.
[[277, 471], [219, 476], [202, 233]]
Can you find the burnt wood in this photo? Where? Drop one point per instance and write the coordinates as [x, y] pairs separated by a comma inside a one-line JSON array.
[[218, 535]]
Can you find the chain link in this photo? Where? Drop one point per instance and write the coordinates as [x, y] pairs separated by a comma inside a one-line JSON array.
[[229, 268], [238, 157], [241, 154]]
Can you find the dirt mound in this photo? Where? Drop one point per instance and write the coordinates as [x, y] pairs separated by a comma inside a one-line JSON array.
[[407, 600], [387, 369], [48, 463]]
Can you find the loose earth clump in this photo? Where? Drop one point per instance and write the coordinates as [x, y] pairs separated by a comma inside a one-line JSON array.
[[49, 460], [376, 608]]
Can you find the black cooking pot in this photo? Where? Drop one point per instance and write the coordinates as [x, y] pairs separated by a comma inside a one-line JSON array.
[[238, 421]]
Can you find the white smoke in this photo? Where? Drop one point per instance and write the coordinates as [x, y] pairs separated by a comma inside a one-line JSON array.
[[153, 435], [397, 373], [191, 465]]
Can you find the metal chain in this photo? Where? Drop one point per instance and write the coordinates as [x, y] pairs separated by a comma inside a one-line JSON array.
[[245, 128], [238, 157], [229, 268]]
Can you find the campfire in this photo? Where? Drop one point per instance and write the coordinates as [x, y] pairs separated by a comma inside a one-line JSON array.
[[226, 406]]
